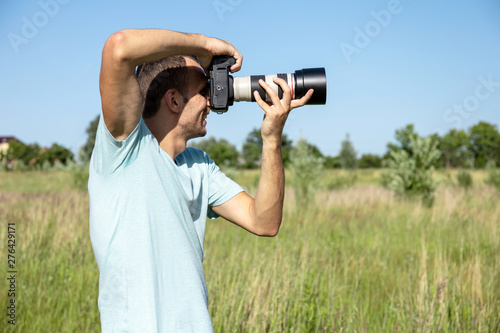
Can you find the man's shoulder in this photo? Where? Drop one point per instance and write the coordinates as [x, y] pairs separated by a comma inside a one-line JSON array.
[[110, 154], [195, 155]]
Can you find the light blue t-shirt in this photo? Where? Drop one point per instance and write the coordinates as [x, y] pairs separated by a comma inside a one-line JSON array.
[[147, 227]]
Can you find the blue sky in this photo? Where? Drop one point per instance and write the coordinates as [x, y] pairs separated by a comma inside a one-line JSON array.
[[435, 64]]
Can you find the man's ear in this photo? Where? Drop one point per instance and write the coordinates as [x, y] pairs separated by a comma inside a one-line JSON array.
[[174, 100]]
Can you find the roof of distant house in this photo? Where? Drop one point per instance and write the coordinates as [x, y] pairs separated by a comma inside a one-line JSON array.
[[4, 139]]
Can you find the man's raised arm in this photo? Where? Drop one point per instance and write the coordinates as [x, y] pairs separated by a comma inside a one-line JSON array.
[[262, 215], [124, 50]]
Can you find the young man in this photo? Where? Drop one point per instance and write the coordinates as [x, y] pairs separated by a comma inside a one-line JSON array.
[[150, 195]]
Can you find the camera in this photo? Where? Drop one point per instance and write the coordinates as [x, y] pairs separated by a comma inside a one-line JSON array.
[[226, 89]]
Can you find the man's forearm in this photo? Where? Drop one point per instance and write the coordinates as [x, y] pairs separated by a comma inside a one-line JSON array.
[[268, 205], [140, 46]]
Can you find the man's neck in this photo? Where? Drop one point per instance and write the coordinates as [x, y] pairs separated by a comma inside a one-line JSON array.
[[168, 138]]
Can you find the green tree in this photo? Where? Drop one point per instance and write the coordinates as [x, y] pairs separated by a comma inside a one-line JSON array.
[[370, 161], [252, 149], [221, 151], [403, 137], [332, 162], [315, 150], [410, 172], [29, 156], [347, 156], [286, 148], [20, 155], [453, 146], [55, 153], [484, 144], [86, 150]]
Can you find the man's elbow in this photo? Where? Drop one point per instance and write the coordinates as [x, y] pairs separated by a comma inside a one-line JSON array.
[[115, 46], [270, 231]]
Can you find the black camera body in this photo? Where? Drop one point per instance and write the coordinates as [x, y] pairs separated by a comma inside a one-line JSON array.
[[224, 89], [221, 83]]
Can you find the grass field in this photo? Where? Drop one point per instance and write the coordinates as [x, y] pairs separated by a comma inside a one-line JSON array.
[[356, 260]]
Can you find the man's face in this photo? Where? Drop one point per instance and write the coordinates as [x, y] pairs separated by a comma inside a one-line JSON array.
[[193, 117]]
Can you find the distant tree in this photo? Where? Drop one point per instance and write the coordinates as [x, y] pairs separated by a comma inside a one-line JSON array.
[[347, 156], [30, 156], [314, 150], [252, 149], [403, 137], [484, 144], [332, 162], [20, 154], [86, 150], [221, 151], [286, 148], [55, 153], [370, 161], [453, 146]]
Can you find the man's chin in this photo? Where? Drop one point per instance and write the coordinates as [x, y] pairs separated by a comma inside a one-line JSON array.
[[198, 135], [203, 133]]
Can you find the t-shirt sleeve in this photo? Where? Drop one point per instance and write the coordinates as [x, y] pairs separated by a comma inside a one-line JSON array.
[[221, 188], [110, 155]]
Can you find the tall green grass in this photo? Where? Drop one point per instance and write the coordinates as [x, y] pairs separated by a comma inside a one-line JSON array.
[[354, 261], [57, 278], [361, 262]]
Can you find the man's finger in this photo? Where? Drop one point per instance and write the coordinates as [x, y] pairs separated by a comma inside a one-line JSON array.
[[270, 92], [287, 91], [301, 102], [260, 101], [239, 61]]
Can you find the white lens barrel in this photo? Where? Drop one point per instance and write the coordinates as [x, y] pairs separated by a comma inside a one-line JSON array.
[[243, 87], [274, 86]]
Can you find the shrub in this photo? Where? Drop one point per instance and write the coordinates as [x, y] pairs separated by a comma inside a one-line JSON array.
[[80, 176], [464, 179], [410, 174], [493, 176], [306, 170]]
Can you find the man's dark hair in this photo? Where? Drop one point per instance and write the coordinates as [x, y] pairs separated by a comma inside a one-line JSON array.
[[157, 77]]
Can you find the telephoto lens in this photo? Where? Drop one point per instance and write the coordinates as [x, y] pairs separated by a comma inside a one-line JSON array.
[[300, 82], [224, 89]]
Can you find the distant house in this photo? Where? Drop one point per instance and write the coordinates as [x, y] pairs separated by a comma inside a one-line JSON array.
[[4, 143]]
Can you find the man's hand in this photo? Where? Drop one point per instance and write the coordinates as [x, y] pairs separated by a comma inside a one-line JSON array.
[[214, 47], [276, 111]]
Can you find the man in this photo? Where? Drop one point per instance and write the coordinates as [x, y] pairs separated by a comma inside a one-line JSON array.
[[150, 195]]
